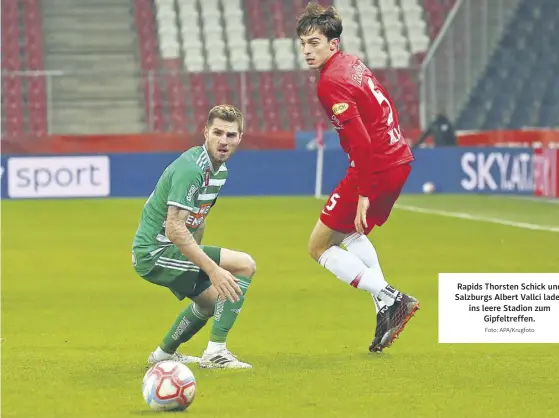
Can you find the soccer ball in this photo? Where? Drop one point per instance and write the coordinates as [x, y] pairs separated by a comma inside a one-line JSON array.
[[428, 188], [169, 386]]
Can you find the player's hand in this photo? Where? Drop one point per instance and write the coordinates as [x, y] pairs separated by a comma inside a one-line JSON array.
[[226, 285], [361, 216]]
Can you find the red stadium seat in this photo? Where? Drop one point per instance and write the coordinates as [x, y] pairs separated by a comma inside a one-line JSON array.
[[255, 15], [436, 11], [277, 13], [198, 99], [36, 90], [176, 95], [147, 41], [12, 86]]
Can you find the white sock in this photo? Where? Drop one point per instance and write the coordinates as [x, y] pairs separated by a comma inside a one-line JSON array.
[[375, 284], [214, 347], [379, 304], [159, 354], [350, 269], [360, 245]]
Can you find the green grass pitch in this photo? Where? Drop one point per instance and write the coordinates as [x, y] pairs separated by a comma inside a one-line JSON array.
[[78, 324]]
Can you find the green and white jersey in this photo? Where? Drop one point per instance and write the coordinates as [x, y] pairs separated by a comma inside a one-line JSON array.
[[189, 183]]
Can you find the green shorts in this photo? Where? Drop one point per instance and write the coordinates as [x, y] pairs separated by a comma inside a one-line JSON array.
[[173, 270]]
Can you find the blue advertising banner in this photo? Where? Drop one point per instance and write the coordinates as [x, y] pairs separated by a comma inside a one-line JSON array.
[[473, 170], [259, 173]]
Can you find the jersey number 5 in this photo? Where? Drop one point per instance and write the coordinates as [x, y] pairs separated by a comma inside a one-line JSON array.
[[394, 131], [333, 200]]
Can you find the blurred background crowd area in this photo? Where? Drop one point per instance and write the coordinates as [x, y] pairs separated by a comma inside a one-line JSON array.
[[77, 67]]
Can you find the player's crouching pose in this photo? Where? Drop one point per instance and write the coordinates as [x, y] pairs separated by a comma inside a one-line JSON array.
[[167, 250], [368, 126]]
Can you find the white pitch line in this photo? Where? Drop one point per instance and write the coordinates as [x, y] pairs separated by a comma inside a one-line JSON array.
[[477, 218], [532, 199]]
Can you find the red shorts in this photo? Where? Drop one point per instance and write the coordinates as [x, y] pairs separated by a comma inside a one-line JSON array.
[[339, 211]]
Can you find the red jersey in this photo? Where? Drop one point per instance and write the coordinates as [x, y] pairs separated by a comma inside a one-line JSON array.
[[363, 113]]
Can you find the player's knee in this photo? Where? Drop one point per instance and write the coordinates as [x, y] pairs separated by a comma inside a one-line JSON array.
[[322, 238], [247, 265], [206, 308], [316, 249]]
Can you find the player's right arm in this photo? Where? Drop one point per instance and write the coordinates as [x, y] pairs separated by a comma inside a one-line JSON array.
[[199, 233], [178, 233], [185, 185], [176, 230]]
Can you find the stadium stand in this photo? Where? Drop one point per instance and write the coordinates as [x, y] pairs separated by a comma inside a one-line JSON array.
[[12, 88], [36, 89], [226, 44], [192, 54], [436, 12], [23, 97], [149, 63], [520, 87], [92, 47], [68, 67]]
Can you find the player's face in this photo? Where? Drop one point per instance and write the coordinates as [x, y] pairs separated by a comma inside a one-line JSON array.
[[222, 139], [317, 49]]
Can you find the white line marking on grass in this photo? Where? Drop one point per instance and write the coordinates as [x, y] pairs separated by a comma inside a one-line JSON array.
[[471, 217], [532, 199]]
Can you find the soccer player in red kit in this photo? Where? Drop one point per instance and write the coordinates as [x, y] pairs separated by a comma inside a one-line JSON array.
[[367, 123]]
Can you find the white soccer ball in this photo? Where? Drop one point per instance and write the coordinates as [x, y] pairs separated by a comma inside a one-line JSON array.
[[428, 187], [169, 386]]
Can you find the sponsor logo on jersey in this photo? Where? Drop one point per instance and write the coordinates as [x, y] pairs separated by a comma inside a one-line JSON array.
[[190, 195], [359, 69], [207, 178], [339, 108], [336, 123], [194, 220]]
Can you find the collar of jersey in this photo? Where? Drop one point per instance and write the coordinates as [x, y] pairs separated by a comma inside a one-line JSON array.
[[331, 60], [209, 159]]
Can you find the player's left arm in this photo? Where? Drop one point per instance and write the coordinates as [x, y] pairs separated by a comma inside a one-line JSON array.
[[340, 98], [357, 137], [360, 153]]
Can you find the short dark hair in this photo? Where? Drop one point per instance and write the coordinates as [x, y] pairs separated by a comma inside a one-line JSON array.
[[326, 20], [227, 113]]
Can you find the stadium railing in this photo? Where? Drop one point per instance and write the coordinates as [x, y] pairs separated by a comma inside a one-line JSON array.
[[459, 55], [40, 103], [27, 102]]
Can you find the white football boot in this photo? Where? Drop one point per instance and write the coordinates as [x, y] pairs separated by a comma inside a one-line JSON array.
[[222, 359], [181, 358]]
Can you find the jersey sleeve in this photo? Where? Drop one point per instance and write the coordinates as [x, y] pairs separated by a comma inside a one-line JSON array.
[[338, 100], [185, 184]]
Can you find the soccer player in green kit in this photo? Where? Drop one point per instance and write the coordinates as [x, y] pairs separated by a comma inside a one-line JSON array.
[[167, 248]]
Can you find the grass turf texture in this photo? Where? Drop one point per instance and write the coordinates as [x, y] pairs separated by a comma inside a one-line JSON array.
[[78, 324]]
